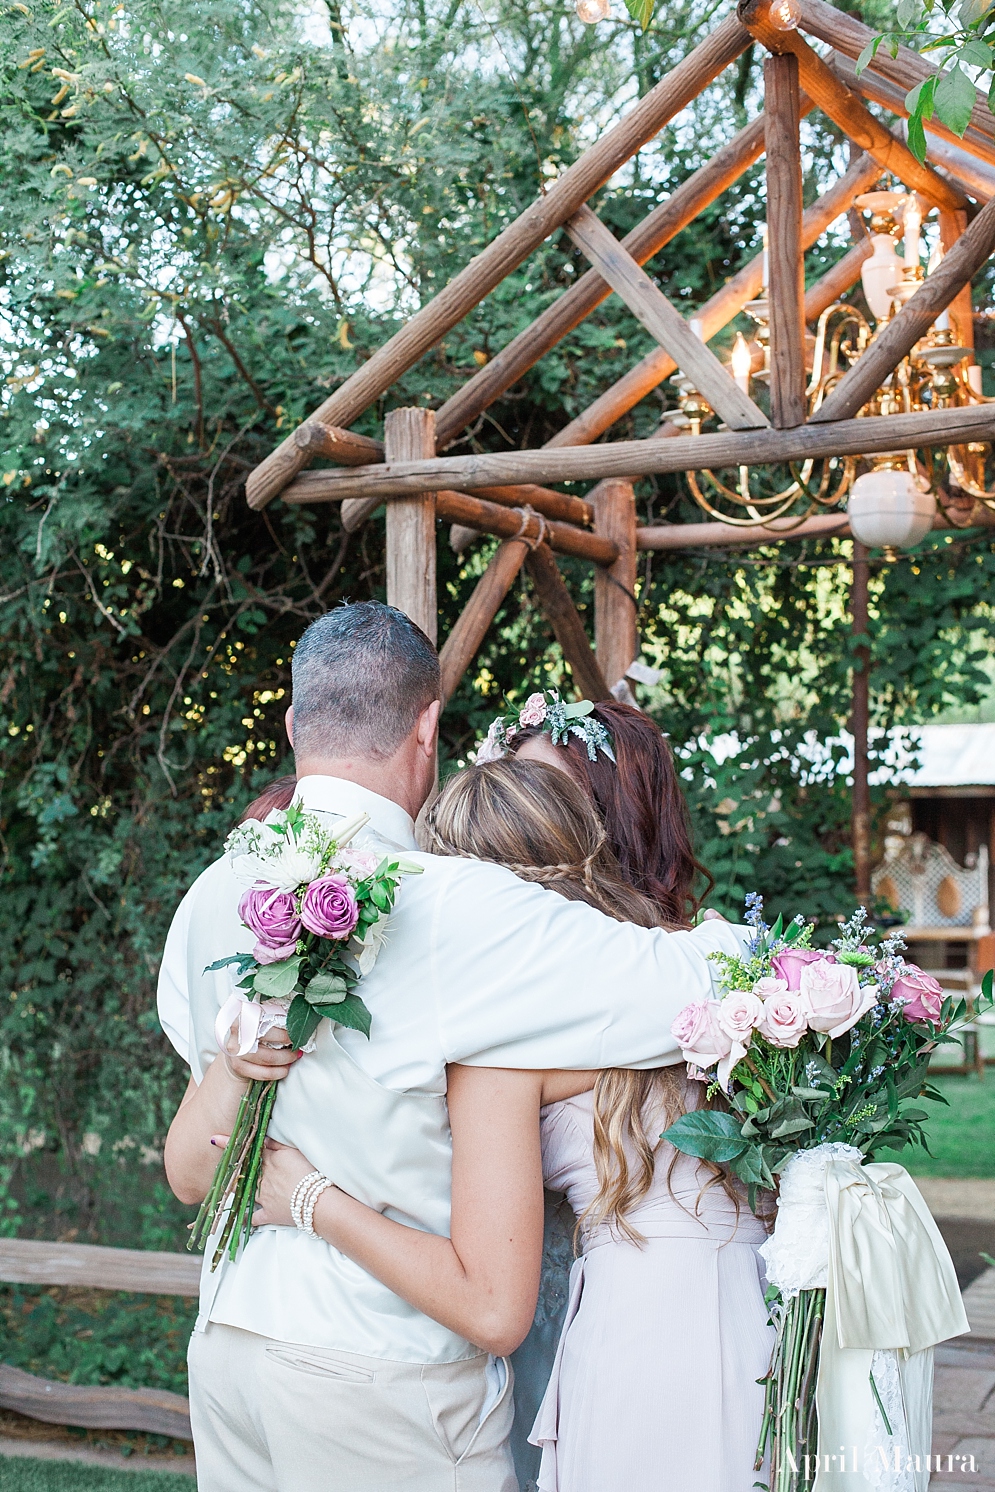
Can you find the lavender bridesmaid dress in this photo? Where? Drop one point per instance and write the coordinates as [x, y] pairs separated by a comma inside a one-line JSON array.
[[654, 1382]]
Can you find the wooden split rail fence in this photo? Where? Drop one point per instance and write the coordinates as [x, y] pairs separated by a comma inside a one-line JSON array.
[[106, 1406]]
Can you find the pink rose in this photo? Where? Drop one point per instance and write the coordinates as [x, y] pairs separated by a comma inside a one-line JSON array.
[[533, 712], [789, 964], [362, 863], [272, 915], [699, 1035], [832, 998], [328, 907], [920, 993], [784, 1022], [739, 1015], [767, 986]]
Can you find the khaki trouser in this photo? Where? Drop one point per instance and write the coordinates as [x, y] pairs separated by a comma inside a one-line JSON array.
[[274, 1417]]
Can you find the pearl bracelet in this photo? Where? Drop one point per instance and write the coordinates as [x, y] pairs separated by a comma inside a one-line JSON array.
[[302, 1201]]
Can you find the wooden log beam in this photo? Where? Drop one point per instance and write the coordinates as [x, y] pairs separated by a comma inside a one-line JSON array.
[[672, 536], [880, 91], [616, 638], [646, 239], [635, 458], [106, 1407], [28, 1261], [846, 110], [568, 629], [663, 321], [561, 200], [975, 176], [560, 505], [837, 281], [716, 313], [463, 642], [850, 36], [785, 256], [511, 523], [337, 444], [409, 435], [913, 321]]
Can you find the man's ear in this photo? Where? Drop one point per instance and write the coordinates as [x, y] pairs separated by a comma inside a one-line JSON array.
[[288, 721], [428, 726]]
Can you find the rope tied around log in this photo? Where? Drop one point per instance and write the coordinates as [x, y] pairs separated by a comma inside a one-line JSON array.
[[527, 513]]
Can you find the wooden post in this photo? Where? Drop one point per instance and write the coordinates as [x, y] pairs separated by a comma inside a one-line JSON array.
[[616, 641], [568, 629], [784, 242], [952, 225], [861, 803], [409, 435], [466, 636]]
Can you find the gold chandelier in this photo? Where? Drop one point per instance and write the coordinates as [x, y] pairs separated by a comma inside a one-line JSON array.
[[894, 502]]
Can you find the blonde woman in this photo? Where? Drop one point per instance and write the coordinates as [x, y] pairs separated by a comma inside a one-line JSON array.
[[666, 1333]]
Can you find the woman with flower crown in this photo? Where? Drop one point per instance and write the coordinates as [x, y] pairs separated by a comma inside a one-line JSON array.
[[666, 1329]]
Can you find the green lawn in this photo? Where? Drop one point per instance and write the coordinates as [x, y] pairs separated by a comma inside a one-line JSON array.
[[961, 1137], [22, 1474]]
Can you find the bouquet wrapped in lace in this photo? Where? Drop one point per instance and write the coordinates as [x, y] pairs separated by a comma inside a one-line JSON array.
[[823, 1057], [316, 908]]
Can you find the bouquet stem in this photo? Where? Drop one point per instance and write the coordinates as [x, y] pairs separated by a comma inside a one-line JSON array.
[[790, 1423], [236, 1179]]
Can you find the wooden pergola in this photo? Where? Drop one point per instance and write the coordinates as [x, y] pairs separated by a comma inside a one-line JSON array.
[[508, 494]]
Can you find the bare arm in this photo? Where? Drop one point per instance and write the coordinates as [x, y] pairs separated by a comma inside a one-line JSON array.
[[483, 1280], [210, 1110]]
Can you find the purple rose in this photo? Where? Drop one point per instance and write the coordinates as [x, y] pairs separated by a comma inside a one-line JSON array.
[[789, 964], [272, 915], [328, 907], [921, 994]]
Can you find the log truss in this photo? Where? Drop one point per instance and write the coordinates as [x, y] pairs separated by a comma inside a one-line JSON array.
[[507, 494]]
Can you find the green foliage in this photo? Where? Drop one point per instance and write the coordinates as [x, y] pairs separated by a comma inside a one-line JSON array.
[[23, 1474], [212, 215]]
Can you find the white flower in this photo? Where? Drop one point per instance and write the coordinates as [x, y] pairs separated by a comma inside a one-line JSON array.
[[366, 950]]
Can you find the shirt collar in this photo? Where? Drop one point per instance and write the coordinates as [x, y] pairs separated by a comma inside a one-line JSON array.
[[336, 795]]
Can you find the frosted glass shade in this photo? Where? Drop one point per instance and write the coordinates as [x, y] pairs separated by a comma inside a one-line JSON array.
[[887, 509], [880, 273]]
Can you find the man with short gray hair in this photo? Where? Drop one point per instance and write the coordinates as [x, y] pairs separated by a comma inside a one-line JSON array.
[[307, 1374]]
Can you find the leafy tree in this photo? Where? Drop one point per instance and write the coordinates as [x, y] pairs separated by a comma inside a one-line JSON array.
[[212, 214]]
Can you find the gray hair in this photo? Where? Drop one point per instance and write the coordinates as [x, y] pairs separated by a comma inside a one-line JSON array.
[[362, 674]]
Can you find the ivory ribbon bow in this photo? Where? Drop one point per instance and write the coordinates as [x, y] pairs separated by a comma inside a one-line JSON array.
[[255, 1018], [865, 1233], [891, 1285]]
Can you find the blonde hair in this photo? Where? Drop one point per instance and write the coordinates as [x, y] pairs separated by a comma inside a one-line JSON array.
[[538, 822]]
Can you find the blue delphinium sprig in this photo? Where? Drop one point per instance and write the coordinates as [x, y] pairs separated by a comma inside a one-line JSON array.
[[755, 919]]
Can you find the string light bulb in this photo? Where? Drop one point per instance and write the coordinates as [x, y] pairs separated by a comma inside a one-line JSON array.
[[785, 15], [593, 11]]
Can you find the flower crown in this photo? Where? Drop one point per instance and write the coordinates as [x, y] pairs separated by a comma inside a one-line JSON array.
[[547, 711]]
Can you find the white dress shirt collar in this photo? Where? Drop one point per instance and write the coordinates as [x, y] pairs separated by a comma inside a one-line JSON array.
[[337, 795]]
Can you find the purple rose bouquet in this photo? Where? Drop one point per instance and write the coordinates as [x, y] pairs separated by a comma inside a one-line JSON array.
[[814, 1050], [315, 908]]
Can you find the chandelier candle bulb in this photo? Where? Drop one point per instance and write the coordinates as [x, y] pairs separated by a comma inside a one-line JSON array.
[[974, 377], [913, 228], [741, 362]]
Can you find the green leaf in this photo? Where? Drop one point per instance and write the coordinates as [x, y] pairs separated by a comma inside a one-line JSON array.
[[868, 54], [906, 13], [987, 982], [641, 11], [976, 53], [326, 989], [708, 1134], [349, 1012], [916, 138], [793, 1121], [277, 981], [778, 928], [752, 1168], [954, 99], [243, 960], [919, 100], [302, 1021]]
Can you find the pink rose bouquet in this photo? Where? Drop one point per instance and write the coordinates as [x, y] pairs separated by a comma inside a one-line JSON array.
[[313, 909], [811, 1048]]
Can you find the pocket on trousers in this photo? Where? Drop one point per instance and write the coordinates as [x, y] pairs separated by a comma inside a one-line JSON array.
[[318, 1364]]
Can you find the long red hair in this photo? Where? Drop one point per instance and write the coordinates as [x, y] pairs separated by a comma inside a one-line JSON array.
[[639, 800], [278, 794]]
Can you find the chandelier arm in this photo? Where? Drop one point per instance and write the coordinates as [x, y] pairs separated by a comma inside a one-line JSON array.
[[732, 495], [725, 518]]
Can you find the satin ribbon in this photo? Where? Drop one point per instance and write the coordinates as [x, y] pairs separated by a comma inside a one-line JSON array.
[[891, 1286], [255, 1018]]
